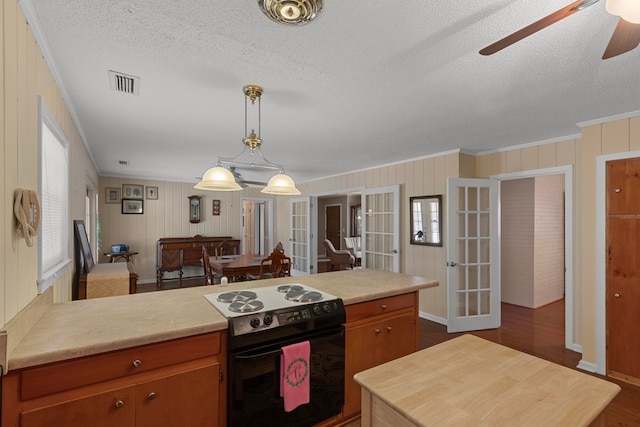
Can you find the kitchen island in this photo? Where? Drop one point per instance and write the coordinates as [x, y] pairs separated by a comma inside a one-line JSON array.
[[470, 381], [80, 352]]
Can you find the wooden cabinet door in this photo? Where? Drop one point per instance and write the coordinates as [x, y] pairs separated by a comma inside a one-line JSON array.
[[623, 182], [623, 269], [399, 336], [186, 399], [360, 345], [372, 344], [108, 409], [623, 298]]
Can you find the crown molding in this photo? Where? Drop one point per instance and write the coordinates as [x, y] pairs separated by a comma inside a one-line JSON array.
[[609, 119]]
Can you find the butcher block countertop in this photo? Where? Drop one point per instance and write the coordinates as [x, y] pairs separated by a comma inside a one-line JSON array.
[[81, 328], [468, 381]]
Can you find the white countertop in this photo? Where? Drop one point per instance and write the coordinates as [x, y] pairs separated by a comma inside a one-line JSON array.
[[85, 327]]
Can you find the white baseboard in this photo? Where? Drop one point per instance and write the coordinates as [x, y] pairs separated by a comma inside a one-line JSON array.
[[587, 366], [437, 319]]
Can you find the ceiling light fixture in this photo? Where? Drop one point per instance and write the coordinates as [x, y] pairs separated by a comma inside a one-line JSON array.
[[291, 12], [625, 9], [219, 178]]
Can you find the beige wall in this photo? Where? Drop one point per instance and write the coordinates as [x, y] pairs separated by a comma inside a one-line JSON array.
[[613, 137], [416, 178], [25, 76], [167, 217]]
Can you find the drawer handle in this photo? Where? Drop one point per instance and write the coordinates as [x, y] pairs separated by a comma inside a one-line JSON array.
[[377, 331], [119, 404], [151, 396], [389, 329], [383, 306], [137, 363]]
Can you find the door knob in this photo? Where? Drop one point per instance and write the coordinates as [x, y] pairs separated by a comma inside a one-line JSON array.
[[452, 264], [617, 295]]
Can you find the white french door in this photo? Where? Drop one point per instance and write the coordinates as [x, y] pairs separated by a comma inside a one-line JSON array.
[[473, 276], [381, 228], [300, 233]]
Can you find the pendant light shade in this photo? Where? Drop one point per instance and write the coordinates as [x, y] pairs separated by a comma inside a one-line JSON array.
[[218, 179], [281, 184]]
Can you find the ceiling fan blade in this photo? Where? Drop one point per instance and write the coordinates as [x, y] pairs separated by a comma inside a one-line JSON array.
[[256, 183], [537, 26], [625, 37]]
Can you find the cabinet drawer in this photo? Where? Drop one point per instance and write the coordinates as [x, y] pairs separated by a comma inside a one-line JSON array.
[[56, 377], [380, 306]]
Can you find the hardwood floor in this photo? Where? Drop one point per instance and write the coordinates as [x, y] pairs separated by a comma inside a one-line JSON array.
[[540, 333]]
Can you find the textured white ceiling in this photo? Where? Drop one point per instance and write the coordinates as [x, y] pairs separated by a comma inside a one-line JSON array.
[[366, 83]]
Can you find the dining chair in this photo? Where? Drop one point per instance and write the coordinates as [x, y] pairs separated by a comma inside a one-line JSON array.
[[208, 270], [275, 265]]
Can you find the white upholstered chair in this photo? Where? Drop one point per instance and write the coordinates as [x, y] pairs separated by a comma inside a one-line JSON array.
[[354, 245]]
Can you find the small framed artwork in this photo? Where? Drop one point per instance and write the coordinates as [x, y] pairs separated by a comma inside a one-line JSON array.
[[152, 193], [112, 195], [132, 206], [132, 191], [216, 207]]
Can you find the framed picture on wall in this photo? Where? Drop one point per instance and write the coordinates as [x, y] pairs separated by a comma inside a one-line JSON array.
[[132, 191], [152, 193], [112, 195], [132, 206], [216, 207]]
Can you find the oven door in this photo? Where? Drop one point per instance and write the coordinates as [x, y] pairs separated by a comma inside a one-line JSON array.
[[254, 383]]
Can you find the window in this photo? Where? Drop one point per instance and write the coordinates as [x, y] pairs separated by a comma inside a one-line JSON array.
[[54, 189]]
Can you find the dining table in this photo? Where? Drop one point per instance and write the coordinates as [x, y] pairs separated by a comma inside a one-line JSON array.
[[235, 267]]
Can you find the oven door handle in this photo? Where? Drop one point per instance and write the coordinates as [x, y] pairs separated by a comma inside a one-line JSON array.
[[277, 350], [254, 355]]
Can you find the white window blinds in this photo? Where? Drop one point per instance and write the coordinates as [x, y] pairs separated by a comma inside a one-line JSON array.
[[54, 200]]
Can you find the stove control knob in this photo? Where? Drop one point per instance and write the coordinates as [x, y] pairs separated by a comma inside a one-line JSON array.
[[326, 308], [268, 319], [255, 322], [317, 309]]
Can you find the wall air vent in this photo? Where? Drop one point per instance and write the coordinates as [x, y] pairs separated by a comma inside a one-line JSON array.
[[124, 83]]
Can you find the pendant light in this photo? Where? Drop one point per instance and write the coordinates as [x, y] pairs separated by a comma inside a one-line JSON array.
[[220, 178]]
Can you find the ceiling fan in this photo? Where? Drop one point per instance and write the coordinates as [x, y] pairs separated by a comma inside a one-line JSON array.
[[243, 182], [626, 35]]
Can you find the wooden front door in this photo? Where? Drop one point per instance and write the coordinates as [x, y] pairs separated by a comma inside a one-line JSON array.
[[333, 225], [623, 269]]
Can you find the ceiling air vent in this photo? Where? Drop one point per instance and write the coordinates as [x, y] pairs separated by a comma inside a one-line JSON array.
[[124, 83]]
